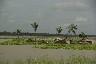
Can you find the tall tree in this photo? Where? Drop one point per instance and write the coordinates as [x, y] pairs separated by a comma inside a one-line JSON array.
[[35, 26], [59, 29], [18, 32], [72, 28]]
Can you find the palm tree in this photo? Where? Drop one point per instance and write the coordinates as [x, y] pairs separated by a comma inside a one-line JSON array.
[[18, 32], [72, 28], [35, 26], [59, 29]]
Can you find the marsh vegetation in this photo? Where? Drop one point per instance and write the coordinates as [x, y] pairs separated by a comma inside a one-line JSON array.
[[46, 60]]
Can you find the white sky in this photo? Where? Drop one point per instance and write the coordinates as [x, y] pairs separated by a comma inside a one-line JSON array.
[[48, 13]]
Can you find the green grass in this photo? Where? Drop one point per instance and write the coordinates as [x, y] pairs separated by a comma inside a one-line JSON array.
[[45, 60], [67, 46], [50, 45]]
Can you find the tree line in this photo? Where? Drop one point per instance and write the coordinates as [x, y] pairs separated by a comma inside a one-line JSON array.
[[71, 30]]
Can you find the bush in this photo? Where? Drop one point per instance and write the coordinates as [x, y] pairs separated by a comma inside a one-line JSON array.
[[30, 40], [43, 42]]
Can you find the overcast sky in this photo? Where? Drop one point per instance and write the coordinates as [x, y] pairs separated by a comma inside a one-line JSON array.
[[48, 13]]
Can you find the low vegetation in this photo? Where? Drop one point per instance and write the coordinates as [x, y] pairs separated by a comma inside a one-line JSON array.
[[50, 44], [45, 60], [79, 42], [67, 46]]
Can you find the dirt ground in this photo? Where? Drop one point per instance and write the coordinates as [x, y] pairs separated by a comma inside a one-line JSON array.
[[26, 51]]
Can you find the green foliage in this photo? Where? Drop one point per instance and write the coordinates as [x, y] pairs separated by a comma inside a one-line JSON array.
[[35, 26], [30, 40], [82, 35], [13, 42], [18, 33], [67, 46], [59, 29], [80, 60], [72, 28], [48, 44]]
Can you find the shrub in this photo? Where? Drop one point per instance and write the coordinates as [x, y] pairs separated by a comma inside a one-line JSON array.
[[43, 42], [30, 40]]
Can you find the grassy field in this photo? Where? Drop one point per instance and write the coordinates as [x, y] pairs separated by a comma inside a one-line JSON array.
[[71, 60], [25, 54], [47, 44], [45, 51], [66, 46]]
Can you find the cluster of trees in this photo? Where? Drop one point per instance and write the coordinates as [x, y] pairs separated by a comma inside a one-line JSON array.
[[71, 29]]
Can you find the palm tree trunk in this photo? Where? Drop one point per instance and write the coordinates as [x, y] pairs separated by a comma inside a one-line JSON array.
[[35, 40], [18, 36]]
